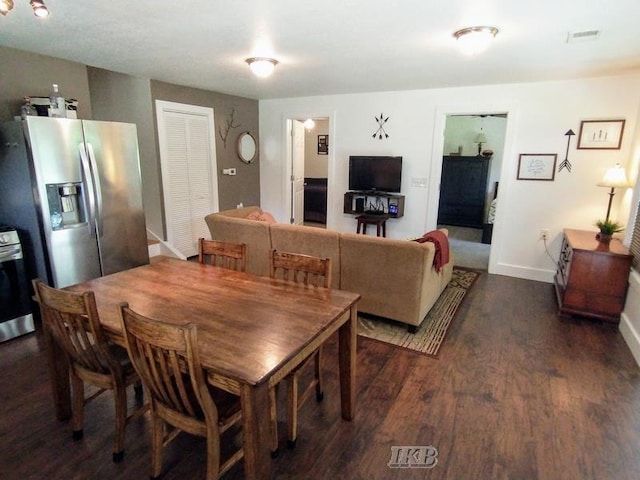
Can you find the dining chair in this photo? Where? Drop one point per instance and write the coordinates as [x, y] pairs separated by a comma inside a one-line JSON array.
[[72, 321], [223, 254], [167, 359], [315, 272]]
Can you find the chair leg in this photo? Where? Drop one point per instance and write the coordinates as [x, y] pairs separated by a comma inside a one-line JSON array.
[[77, 386], [213, 453], [273, 410], [120, 394], [292, 407], [318, 372], [157, 439]]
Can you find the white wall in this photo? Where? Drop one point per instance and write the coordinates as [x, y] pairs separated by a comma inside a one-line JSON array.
[[539, 114]]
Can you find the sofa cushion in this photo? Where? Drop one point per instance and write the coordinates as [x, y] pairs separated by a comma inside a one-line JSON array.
[[318, 242], [237, 229]]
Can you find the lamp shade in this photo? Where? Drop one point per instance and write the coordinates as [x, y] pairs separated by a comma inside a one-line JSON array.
[[261, 66], [615, 177], [474, 40], [480, 138]]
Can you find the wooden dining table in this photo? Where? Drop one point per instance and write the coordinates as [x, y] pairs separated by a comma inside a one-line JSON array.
[[252, 331]]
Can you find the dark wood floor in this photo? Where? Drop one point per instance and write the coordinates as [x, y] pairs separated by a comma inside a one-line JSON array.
[[516, 393]]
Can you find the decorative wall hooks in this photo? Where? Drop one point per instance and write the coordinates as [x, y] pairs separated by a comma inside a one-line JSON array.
[[565, 163], [380, 131]]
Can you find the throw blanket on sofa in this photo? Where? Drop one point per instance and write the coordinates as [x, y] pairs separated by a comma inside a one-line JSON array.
[[441, 242]]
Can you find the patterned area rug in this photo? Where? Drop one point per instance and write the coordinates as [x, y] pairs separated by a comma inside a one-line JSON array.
[[433, 329]]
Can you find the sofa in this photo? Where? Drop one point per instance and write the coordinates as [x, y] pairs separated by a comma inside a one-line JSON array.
[[395, 278]]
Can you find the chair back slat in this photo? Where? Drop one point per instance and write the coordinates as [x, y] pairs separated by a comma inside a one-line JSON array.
[[72, 319], [223, 254], [299, 268], [168, 364]]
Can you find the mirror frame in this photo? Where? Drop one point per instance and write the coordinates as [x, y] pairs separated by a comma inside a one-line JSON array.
[[242, 155]]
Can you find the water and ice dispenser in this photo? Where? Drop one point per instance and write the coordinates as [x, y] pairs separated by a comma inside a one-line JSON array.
[[66, 208]]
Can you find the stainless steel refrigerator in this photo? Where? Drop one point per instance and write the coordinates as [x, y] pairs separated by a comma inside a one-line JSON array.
[[72, 189]]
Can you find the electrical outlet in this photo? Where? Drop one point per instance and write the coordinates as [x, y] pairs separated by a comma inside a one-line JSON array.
[[544, 234]]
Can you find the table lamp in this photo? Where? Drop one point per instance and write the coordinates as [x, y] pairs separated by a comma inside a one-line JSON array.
[[614, 178], [480, 139]]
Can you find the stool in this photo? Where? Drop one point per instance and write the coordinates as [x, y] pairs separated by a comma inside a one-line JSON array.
[[380, 221]]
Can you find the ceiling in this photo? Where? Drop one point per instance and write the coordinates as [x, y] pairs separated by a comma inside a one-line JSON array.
[[331, 46]]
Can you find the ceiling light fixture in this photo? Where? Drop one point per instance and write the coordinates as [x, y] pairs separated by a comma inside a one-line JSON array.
[[309, 123], [38, 6], [5, 6], [262, 66], [474, 40]]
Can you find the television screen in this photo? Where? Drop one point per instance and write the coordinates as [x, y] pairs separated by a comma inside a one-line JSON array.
[[382, 174]]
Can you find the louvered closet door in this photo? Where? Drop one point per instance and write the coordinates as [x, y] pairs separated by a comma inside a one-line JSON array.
[[188, 172]]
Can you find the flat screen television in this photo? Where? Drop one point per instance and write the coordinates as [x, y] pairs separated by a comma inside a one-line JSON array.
[[370, 173]]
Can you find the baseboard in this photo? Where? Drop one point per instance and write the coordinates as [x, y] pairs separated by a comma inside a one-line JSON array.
[[630, 318], [519, 271]]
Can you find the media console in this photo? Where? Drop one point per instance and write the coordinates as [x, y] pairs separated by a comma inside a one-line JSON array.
[[381, 203]]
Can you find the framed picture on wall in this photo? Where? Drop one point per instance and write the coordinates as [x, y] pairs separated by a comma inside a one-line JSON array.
[[537, 166], [323, 144], [600, 134]]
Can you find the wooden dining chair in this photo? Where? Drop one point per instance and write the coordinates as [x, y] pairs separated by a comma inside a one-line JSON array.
[[223, 254], [73, 323], [310, 271], [166, 357]]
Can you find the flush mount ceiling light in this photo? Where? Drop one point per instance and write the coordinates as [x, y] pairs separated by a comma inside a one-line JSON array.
[[309, 123], [473, 40], [262, 66], [38, 6]]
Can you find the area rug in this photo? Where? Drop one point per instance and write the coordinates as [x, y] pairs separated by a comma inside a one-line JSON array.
[[433, 329]]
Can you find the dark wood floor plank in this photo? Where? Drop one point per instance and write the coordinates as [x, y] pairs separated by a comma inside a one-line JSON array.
[[515, 393]]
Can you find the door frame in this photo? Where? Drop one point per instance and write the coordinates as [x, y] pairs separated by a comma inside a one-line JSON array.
[[437, 152], [287, 193]]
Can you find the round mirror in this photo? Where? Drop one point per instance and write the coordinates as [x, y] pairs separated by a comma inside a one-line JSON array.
[[247, 148]]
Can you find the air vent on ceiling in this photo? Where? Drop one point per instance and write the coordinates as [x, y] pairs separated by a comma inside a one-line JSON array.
[[584, 36]]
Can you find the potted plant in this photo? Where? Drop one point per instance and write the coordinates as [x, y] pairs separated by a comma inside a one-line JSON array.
[[607, 229]]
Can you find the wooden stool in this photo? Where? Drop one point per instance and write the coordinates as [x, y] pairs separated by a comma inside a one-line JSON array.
[[380, 221]]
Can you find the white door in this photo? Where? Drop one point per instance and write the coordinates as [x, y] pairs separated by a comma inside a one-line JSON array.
[[297, 172], [189, 172]]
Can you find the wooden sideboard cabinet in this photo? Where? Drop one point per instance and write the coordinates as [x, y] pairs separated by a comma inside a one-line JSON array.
[[591, 279]]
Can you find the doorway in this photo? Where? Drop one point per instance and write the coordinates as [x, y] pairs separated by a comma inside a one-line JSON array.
[[473, 154], [308, 154]]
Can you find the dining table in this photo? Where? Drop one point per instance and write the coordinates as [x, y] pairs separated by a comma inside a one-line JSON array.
[[252, 332]]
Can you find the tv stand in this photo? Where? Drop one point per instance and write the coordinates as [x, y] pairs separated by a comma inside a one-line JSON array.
[[374, 203]]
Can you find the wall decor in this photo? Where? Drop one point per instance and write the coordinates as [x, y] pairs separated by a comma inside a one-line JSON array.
[[565, 163], [246, 147], [600, 134], [380, 131], [537, 166], [323, 144], [229, 125]]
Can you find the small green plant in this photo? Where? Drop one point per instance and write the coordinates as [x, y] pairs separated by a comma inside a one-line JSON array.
[[609, 227]]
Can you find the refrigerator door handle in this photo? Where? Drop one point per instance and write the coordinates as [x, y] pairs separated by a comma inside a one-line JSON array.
[[96, 185], [90, 194]]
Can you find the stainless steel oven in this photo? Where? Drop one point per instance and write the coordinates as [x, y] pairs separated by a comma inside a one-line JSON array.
[[15, 305]]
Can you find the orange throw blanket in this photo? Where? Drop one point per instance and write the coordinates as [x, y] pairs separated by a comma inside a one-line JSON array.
[[441, 242]]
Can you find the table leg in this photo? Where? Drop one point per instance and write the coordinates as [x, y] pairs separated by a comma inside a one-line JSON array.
[[257, 431], [58, 376], [384, 228], [347, 337]]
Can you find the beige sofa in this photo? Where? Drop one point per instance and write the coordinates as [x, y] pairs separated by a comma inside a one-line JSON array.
[[395, 278]]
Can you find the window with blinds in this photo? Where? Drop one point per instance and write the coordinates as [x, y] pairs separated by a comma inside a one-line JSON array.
[[635, 240]]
